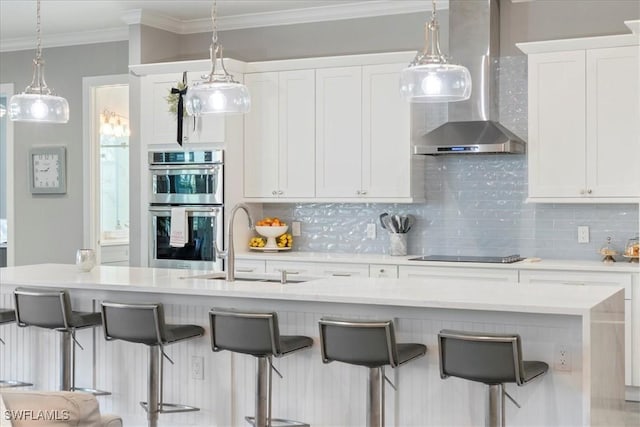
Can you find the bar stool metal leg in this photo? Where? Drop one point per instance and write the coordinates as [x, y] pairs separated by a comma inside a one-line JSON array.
[[65, 360], [375, 401], [495, 410], [153, 406]]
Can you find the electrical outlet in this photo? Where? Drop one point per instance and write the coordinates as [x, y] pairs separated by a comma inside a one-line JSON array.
[[197, 367], [562, 360], [295, 228], [371, 231], [583, 234]]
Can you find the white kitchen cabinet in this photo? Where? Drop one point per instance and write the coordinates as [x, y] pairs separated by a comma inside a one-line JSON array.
[[114, 254], [254, 266], [623, 280], [388, 271], [363, 147], [279, 139], [635, 329], [584, 132], [158, 125], [321, 269], [458, 275]]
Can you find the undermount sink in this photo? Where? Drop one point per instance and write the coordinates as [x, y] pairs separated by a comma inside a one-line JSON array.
[[242, 278]]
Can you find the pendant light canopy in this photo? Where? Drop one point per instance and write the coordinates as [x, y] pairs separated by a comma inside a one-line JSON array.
[[430, 77], [38, 103], [219, 92]]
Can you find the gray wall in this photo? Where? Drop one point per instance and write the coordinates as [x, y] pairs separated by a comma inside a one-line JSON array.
[[49, 227]]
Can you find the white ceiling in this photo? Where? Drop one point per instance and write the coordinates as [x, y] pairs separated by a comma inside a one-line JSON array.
[[67, 22]]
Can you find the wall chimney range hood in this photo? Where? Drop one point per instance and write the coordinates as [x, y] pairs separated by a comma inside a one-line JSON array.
[[474, 41]]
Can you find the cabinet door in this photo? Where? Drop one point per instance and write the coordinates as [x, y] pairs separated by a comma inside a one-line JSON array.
[[338, 132], [320, 269], [459, 275], [613, 122], [158, 125], [296, 154], [261, 136], [556, 147], [385, 133]]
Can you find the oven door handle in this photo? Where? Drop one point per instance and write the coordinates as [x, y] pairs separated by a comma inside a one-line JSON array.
[[183, 167], [187, 208]]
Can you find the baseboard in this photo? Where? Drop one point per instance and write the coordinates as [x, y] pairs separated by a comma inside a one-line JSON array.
[[632, 393]]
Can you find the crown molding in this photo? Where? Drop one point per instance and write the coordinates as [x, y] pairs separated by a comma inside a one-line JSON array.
[[67, 39], [236, 22]]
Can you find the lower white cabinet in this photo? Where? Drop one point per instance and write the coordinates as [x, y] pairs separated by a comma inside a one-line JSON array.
[[631, 318], [471, 275], [388, 271], [256, 266], [114, 255], [319, 268]]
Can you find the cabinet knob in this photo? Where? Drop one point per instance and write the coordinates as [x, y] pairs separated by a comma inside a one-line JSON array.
[[382, 270], [358, 192], [589, 191], [363, 192], [280, 192], [274, 192]]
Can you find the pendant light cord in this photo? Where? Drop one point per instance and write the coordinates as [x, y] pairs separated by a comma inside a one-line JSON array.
[[39, 40], [214, 15]]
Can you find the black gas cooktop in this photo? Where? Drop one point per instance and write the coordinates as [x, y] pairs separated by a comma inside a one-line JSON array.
[[462, 258]]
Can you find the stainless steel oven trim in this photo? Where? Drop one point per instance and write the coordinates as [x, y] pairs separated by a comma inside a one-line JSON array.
[[183, 167], [217, 157], [198, 211]]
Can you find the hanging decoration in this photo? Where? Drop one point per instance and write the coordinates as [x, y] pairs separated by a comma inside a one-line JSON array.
[[180, 92]]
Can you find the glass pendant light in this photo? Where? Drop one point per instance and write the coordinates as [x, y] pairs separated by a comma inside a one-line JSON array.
[[219, 93], [38, 103], [430, 77]]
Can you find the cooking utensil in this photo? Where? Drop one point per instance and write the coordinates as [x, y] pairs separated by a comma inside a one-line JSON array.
[[383, 220], [411, 220]]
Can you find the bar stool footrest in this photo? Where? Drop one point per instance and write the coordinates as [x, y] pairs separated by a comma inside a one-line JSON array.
[[93, 391], [12, 383], [279, 422], [168, 408]]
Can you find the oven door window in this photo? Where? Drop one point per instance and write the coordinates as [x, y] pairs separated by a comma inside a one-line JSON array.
[[200, 247], [192, 186]]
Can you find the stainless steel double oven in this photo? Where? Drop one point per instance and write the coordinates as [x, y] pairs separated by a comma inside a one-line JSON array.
[[192, 180]]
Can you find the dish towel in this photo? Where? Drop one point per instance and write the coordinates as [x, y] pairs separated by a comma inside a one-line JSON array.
[[178, 237]]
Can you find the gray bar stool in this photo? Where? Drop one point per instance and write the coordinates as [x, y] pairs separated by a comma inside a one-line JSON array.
[[145, 324], [256, 334], [9, 316], [51, 309], [492, 359], [371, 344]]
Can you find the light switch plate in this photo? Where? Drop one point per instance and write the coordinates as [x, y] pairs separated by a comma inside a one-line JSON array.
[[583, 234], [295, 228], [371, 231]]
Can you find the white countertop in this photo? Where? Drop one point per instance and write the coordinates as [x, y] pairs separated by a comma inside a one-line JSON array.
[[527, 264], [540, 299]]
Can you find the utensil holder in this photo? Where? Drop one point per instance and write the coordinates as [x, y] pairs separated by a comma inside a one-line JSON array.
[[397, 244]]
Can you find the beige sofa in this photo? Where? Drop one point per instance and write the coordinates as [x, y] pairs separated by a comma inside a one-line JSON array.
[[52, 409]]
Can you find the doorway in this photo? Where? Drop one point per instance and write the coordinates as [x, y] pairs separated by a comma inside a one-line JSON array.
[[106, 165], [7, 237]]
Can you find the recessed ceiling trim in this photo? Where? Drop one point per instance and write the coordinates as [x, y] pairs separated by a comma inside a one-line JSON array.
[[67, 39]]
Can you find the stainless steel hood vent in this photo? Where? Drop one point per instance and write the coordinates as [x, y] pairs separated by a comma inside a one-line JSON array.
[[474, 41]]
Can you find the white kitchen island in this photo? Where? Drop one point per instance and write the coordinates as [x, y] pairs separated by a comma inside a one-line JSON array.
[[586, 321]]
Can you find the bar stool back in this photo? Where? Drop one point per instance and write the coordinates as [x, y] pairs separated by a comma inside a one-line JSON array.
[[371, 344], [145, 324], [492, 359], [256, 334], [9, 316], [51, 309]]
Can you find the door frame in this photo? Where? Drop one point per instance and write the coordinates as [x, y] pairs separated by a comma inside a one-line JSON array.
[[7, 90], [91, 160]]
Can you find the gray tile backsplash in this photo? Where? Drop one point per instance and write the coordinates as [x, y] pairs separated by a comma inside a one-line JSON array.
[[475, 204]]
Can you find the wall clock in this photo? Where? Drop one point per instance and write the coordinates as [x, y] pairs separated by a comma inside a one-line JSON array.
[[48, 170]]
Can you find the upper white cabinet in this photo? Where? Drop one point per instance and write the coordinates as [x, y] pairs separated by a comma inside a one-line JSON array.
[[279, 135], [363, 136], [584, 131], [158, 125]]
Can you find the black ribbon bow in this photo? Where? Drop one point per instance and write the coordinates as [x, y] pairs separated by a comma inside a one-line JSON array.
[[180, 109]]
